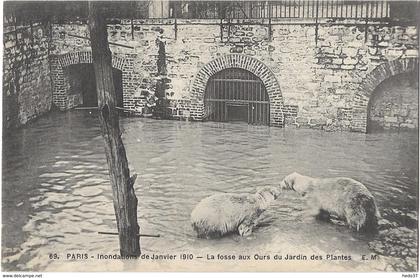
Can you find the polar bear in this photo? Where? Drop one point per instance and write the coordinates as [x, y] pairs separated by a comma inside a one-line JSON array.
[[224, 213], [345, 198]]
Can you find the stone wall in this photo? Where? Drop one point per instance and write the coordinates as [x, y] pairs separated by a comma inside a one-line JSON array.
[[322, 72], [27, 89], [351, 58], [66, 50]]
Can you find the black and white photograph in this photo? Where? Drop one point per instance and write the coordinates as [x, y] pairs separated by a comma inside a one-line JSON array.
[[210, 136]]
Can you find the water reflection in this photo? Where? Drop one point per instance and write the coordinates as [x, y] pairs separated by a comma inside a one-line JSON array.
[[56, 194]]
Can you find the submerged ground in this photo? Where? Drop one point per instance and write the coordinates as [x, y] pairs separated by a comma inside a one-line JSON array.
[[56, 194]]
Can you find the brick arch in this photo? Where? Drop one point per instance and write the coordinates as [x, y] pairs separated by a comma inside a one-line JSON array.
[[369, 84], [61, 97], [243, 62], [85, 57]]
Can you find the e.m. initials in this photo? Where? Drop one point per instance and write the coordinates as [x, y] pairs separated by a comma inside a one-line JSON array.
[[372, 257]]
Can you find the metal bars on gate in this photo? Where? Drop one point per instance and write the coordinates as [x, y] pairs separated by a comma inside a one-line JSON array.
[[237, 95], [339, 9]]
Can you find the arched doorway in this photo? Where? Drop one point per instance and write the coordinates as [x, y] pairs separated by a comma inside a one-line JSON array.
[[73, 72], [236, 94], [394, 103], [362, 99], [82, 82], [237, 61]]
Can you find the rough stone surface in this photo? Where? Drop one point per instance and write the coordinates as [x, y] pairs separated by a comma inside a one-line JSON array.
[[27, 89], [394, 103], [321, 83]]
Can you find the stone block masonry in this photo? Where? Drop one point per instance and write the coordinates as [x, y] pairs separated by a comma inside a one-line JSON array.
[[27, 90], [316, 77]]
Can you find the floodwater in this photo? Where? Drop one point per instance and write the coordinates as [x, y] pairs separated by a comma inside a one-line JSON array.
[[57, 196]]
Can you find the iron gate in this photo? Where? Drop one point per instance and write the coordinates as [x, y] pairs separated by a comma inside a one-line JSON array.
[[237, 95]]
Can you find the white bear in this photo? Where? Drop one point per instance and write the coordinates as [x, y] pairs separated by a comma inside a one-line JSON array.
[[345, 198], [224, 213]]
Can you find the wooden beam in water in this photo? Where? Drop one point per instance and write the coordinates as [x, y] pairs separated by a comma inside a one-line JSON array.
[[124, 197], [116, 234]]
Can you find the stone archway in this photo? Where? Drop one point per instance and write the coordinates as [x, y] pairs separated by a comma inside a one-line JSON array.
[[243, 62], [369, 84], [61, 97]]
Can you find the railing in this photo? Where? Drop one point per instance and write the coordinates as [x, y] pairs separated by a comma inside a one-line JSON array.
[[25, 12], [282, 9]]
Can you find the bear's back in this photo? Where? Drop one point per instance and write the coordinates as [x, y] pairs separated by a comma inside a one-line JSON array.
[[344, 186], [222, 212], [335, 193]]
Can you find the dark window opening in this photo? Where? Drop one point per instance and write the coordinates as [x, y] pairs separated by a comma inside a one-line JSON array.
[[82, 83], [237, 113]]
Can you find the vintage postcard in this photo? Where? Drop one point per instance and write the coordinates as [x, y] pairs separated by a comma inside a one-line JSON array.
[[234, 136]]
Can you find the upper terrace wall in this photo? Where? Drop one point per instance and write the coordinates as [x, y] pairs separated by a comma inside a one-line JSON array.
[[321, 69]]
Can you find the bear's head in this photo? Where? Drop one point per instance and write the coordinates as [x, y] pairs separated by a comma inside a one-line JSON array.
[[245, 230], [296, 182]]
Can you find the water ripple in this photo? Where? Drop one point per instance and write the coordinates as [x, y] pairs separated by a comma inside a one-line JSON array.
[[62, 195]]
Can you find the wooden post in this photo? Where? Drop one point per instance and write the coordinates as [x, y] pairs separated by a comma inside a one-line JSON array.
[[125, 201], [221, 30], [270, 30], [367, 23], [132, 28], [316, 23]]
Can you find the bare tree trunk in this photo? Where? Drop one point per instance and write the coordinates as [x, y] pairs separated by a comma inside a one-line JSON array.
[[125, 201]]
